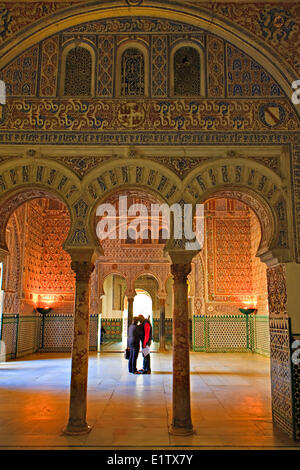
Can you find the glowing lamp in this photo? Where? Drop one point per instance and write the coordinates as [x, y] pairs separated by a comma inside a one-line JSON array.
[[249, 306], [247, 311]]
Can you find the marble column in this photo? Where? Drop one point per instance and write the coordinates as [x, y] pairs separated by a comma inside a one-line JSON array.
[[78, 396], [181, 418], [130, 310], [191, 304], [99, 324], [162, 316]]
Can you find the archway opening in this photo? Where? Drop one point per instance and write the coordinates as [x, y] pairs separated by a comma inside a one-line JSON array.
[[133, 246], [113, 311], [37, 280], [228, 290], [142, 304]]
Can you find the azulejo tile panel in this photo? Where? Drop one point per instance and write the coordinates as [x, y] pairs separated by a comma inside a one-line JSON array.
[[27, 335], [223, 333], [56, 333], [262, 335], [296, 392], [113, 328], [168, 330], [9, 331], [281, 374]]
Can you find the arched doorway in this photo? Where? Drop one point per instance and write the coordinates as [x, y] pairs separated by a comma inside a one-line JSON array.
[[114, 312], [134, 252], [38, 285], [229, 282], [142, 304]]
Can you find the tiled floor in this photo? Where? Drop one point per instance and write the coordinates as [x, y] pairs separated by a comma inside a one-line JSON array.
[[230, 403]]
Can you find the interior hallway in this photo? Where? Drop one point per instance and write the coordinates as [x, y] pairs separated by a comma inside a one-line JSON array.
[[230, 403]]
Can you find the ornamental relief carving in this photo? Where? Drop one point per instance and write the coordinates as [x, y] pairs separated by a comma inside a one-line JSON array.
[[147, 115], [167, 187], [277, 294]]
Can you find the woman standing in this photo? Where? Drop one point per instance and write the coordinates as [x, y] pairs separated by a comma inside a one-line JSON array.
[[146, 338]]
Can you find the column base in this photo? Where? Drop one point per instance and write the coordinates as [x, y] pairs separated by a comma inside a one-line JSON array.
[[181, 431], [72, 430]]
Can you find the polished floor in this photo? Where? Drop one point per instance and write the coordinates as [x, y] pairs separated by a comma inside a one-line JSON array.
[[230, 404]]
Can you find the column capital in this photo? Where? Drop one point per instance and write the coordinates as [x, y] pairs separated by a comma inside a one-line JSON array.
[[180, 272], [82, 269], [182, 256]]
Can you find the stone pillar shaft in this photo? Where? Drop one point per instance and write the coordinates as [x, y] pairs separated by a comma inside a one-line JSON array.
[[130, 310], [162, 336], [181, 420], [191, 303], [78, 395], [99, 324]]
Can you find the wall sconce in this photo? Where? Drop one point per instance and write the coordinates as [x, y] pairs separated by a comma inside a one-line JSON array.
[[44, 311], [248, 311]]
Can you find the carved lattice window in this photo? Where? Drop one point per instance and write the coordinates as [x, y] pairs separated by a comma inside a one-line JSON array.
[[132, 73], [187, 72], [78, 75]]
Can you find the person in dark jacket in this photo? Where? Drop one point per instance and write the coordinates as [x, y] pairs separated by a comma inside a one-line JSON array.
[[133, 343], [103, 331], [145, 333]]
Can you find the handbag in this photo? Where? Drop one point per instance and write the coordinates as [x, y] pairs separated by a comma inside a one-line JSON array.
[[127, 353]]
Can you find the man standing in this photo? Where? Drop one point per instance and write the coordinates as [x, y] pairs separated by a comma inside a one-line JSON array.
[[145, 329], [133, 343]]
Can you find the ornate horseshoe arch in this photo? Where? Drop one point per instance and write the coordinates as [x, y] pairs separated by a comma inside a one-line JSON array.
[[256, 187], [22, 181], [118, 175]]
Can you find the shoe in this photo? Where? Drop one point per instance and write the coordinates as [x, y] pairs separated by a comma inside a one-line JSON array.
[[146, 372], [137, 372], [141, 371]]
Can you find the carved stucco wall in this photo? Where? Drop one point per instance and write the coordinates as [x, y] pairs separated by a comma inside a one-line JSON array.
[[33, 83], [227, 274], [227, 256], [37, 268], [241, 96], [275, 24]]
